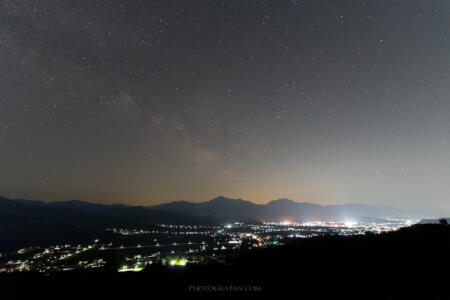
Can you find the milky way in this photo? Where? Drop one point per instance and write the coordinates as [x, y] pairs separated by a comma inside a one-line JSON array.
[[143, 102]]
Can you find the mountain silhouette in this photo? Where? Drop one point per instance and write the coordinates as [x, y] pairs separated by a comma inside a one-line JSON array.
[[25, 222], [228, 209]]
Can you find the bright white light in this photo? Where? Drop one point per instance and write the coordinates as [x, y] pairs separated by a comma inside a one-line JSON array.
[[350, 223], [234, 242]]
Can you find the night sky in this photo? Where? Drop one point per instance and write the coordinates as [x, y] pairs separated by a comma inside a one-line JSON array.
[[144, 102]]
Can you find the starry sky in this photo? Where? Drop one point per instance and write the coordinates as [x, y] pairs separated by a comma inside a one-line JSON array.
[[144, 102]]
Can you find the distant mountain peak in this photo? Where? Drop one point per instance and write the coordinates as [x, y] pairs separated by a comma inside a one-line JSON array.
[[282, 201], [75, 203], [225, 199], [286, 200]]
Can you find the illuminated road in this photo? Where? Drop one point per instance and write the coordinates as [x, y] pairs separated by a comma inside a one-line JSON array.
[[153, 246]]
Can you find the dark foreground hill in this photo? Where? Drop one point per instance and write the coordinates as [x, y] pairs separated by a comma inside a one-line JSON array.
[[412, 263]]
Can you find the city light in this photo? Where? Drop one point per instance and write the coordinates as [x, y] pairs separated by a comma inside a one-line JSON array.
[[178, 262], [175, 245]]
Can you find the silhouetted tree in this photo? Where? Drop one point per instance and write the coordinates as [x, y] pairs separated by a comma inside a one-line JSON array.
[[443, 221]]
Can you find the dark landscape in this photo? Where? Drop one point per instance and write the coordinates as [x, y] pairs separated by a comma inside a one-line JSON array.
[[331, 254], [265, 148], [33, 223], [409, 263]]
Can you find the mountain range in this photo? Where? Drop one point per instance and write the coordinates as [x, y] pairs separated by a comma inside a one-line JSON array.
[[27, 222], [226, 209]]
